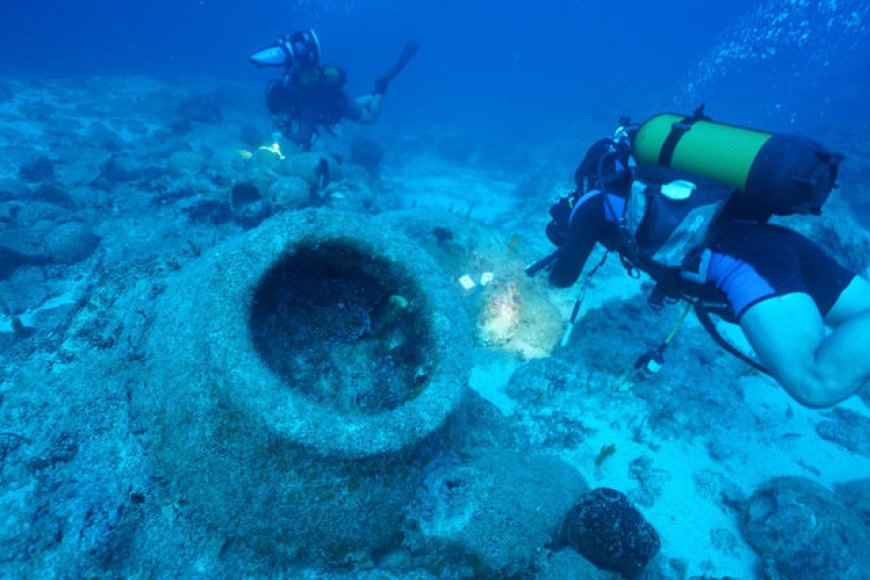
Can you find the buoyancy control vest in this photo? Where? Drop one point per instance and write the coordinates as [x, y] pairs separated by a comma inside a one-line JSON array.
[[683, 177]]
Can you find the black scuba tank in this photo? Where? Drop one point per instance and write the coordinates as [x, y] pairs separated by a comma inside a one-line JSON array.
[[775, 173]]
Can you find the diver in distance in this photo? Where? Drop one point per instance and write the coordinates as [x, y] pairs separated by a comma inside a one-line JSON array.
[[310, 97], [688, 200]]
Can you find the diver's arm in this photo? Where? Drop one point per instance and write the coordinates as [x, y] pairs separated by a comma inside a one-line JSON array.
[[584, 230]]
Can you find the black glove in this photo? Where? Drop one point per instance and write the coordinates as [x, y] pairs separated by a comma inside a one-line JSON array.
[[381, 84], [383, 81], [557, 229]]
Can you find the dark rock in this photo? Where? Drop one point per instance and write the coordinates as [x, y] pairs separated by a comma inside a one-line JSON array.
[[85, 520], [180, 126], [367, 154], [13, 189], [610, 532], [548, 375], [453, 145], [38, 169], [251, 136], [442, 234], [13, 157], [847, 429], [479, 424], [18, 327], [248, 205], [53, 318], [9, 443], [25, 288], [62, 449], [9, 211], [201, 108], [54, 194], [203, 210], [124, 167], [569, 565], [495, 512], [70, 243], [171, 194], [290, 192], [10, 260], [805, 531], [100, 136], [837, 232], [18, 249], [856, 495], [33, 212], [22, 533]]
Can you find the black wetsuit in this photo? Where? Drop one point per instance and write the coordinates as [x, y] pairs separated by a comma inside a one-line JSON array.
[[751, 261], [299, 111]]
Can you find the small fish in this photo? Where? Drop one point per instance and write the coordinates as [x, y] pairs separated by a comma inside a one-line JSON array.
[[606, 451], [814, 470]]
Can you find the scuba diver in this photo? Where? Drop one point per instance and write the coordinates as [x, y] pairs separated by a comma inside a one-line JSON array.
[[310, 96], [688, 200]]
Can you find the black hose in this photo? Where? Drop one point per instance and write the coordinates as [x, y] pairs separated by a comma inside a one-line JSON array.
[[533, 269]]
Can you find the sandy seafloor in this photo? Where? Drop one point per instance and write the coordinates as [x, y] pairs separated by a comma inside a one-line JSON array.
[[128, 181]]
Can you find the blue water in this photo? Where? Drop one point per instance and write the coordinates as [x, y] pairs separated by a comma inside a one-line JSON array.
[[521, 70]]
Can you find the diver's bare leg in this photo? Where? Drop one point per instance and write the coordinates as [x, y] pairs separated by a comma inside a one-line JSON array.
[[788, 335]]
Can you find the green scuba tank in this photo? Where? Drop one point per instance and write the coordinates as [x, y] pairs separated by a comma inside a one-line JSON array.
[[775, 173], [312, 77]]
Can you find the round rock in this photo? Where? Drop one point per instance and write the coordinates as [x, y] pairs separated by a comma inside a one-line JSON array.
[[70, 243], [806, 531], [611, 533]]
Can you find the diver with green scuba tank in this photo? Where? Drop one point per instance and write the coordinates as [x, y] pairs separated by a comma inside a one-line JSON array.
[[688, 201], [310, 97]]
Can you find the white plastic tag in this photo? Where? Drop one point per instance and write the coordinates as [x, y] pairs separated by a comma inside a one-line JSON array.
[[467, 282], [678, 190]]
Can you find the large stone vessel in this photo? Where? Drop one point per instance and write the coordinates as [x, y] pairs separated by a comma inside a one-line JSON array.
[[297, 380]]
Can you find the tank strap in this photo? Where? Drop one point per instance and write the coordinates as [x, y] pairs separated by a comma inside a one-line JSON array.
[[678, 129]]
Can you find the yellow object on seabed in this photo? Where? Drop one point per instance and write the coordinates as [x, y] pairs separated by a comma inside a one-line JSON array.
[[273, 148]]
